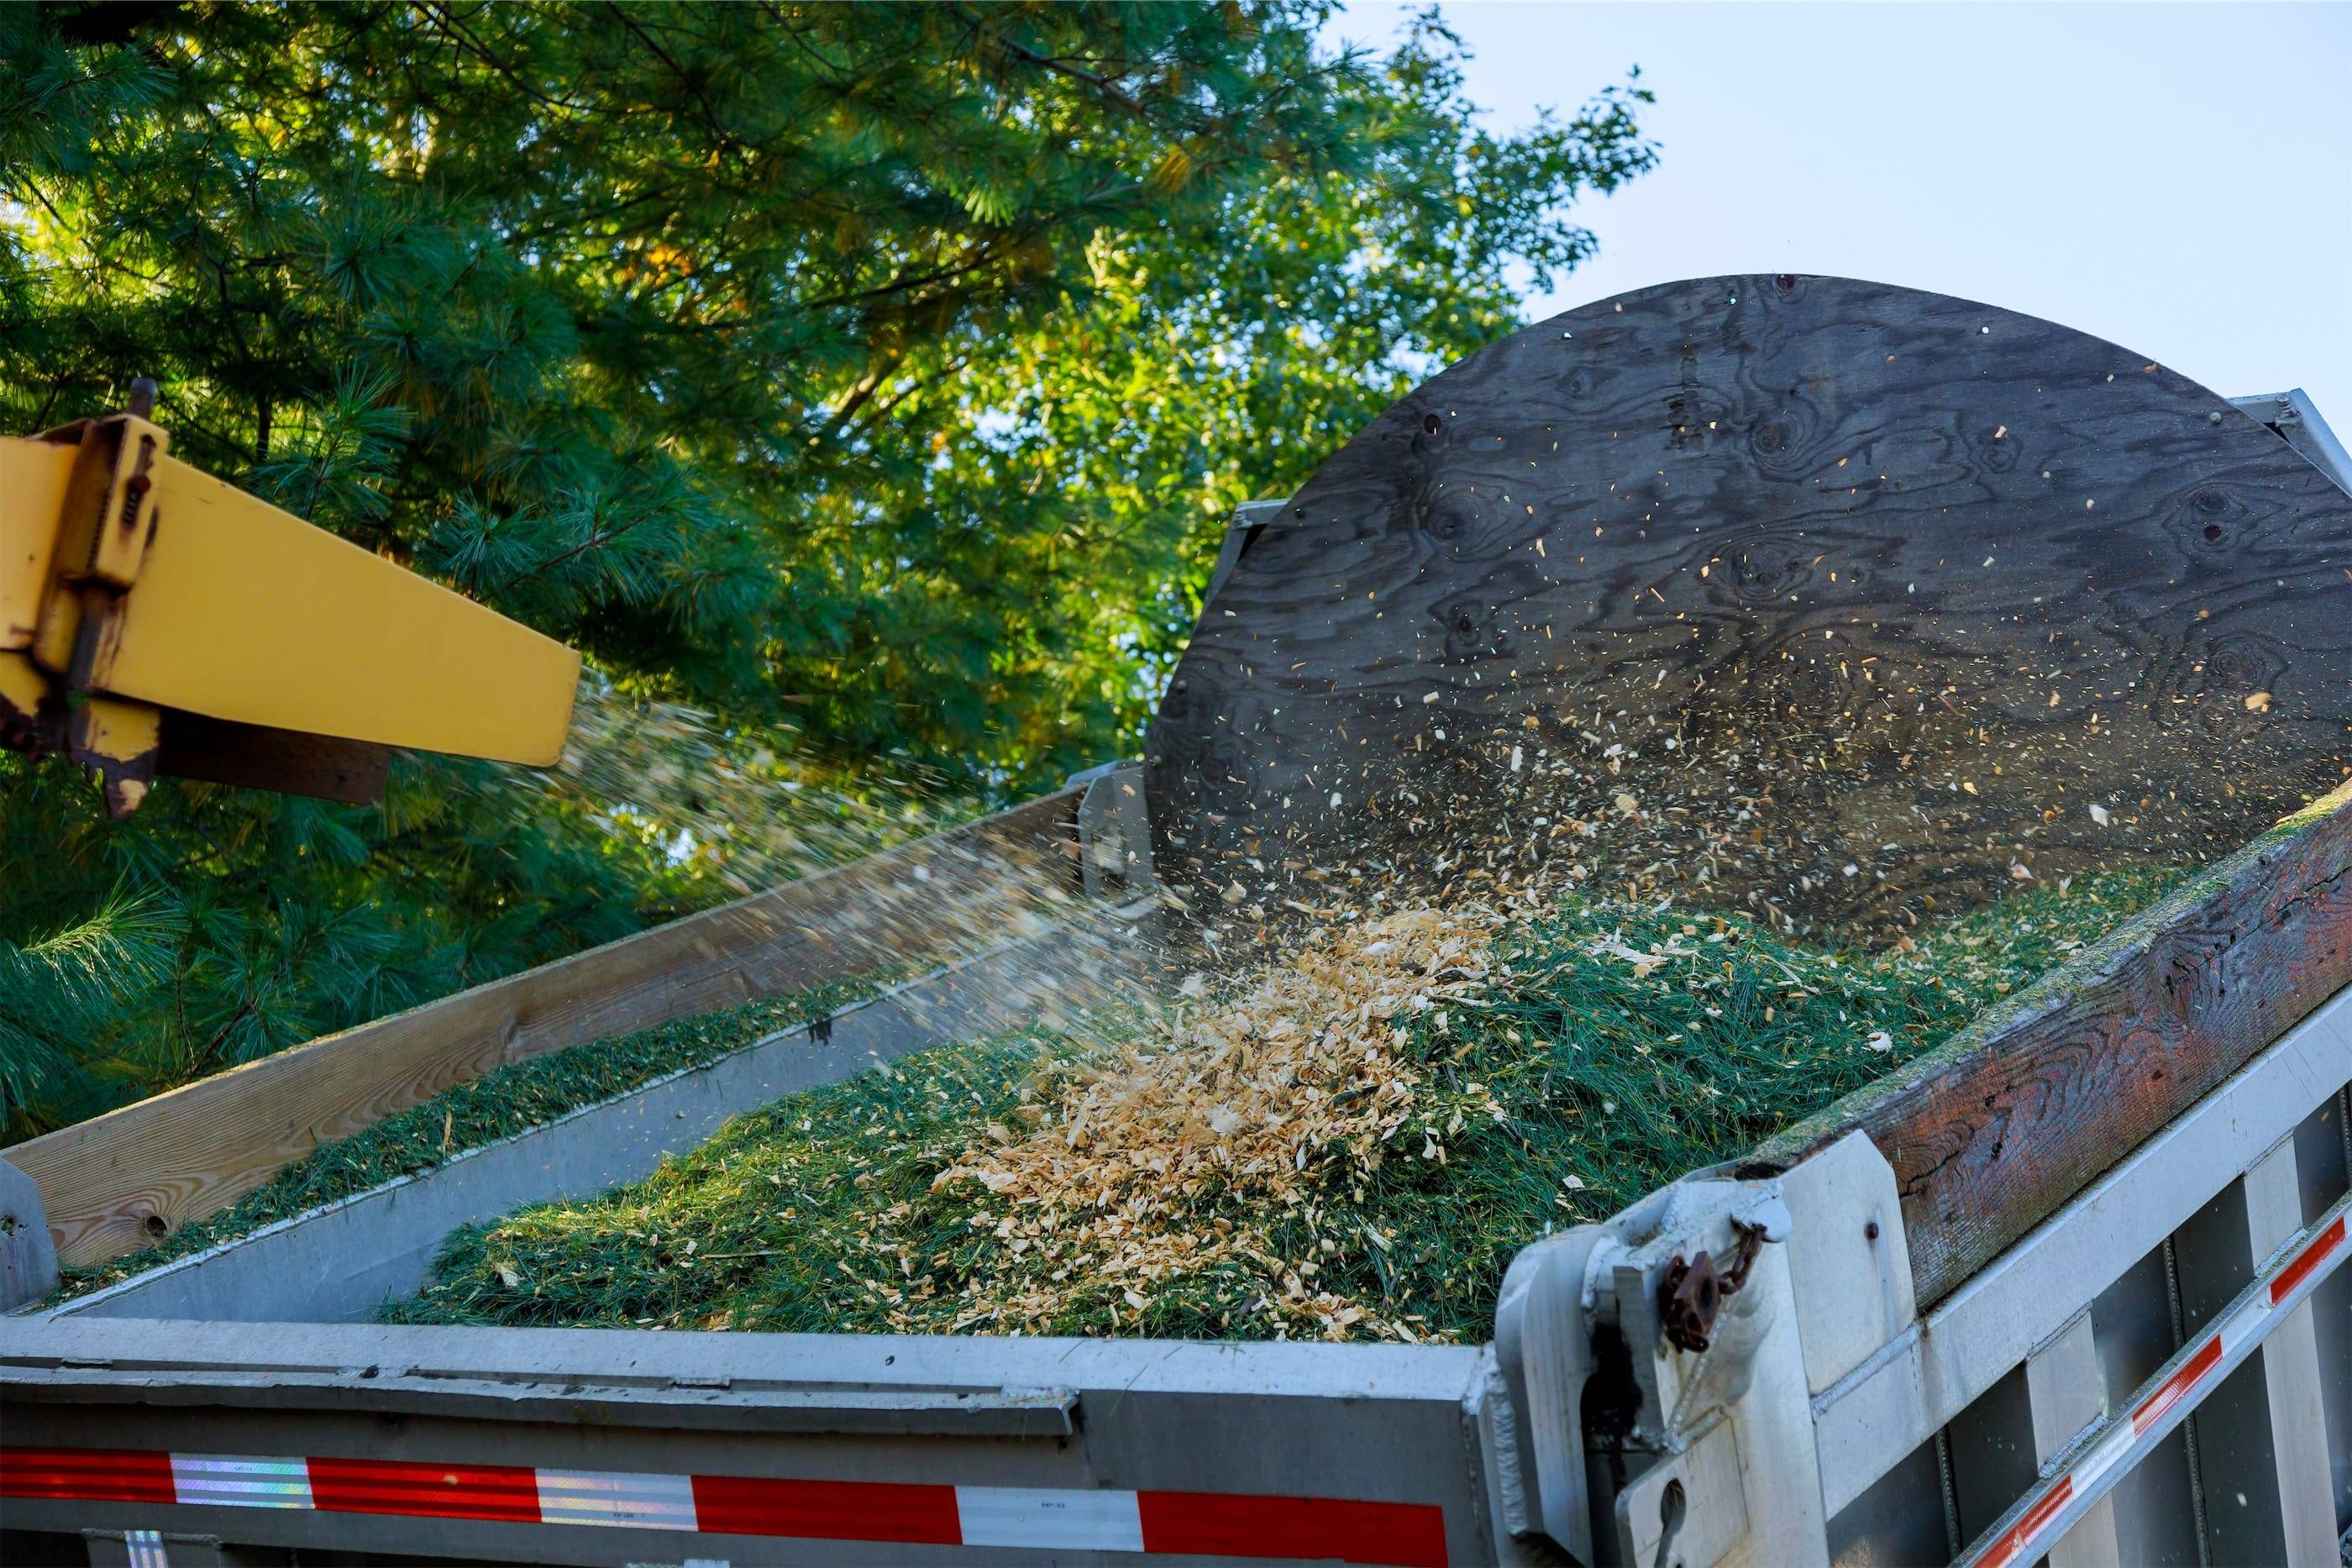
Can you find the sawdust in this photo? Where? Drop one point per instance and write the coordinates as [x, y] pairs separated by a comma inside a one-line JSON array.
[[725, 813], [1291, 1085], [1348, 1142]]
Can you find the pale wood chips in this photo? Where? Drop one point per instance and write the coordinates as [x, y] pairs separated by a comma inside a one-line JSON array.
[[1289, 1087]]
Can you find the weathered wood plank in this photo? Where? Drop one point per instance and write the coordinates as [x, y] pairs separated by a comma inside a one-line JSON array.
[[120, 1181], [1993, 1130], [1856, 596]]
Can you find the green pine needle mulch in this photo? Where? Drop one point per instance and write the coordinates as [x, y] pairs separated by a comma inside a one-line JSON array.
[[1574, 1081], [501, 1104]]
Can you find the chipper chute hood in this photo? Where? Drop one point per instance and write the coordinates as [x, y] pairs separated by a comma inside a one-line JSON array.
[[1842, 597], [154, 620]]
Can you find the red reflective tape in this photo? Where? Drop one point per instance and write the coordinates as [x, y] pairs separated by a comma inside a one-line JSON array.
[[2311, 1258], [826, 1510], [1223, 1524], [509, 1493], [1399, 1535], [2208, 1357], [93, 1475], [2010, 1547]]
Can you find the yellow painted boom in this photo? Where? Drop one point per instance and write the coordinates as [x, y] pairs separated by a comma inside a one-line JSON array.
[[154, 619]]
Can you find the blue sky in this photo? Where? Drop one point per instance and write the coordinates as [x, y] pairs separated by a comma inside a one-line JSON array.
[[2176, 177]]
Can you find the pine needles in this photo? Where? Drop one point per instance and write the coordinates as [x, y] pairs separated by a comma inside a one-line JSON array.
[[58, 993], [1545, 1074], [500, 1103], [911, 467]]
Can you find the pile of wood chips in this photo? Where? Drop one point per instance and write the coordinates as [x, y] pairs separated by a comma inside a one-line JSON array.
[[1289, 1087]]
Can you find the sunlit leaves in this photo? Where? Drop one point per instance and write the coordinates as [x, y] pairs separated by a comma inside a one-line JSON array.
[[873, 379]]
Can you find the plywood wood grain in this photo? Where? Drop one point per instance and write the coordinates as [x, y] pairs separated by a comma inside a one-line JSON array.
[[1825, 598]]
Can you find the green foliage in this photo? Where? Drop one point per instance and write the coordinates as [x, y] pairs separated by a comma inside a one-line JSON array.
[[871, 379], [270, 921], [501, 1104], [1062, 527], [1577, 1082], [59, 991]]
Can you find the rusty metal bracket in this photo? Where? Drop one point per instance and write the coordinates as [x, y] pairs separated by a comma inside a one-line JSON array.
[[1691, 1294]]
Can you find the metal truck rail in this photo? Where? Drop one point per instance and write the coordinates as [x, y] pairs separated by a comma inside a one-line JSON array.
[[2071, 1286]]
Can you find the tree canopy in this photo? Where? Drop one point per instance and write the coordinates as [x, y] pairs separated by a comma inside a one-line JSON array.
[[869, 384]]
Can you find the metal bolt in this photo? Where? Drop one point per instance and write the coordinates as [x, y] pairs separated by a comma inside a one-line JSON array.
[[2214, 417], [1870, 1231]]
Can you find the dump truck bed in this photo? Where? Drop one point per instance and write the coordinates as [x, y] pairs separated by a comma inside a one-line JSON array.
[[1899, 1381], [1841, 602]]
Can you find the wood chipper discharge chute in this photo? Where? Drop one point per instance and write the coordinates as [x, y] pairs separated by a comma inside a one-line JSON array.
[[154, 620], [1840, 601]]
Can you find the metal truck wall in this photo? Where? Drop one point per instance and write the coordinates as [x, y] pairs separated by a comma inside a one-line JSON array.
[[2160, 1372], [1825, 1420], [497, 1444]]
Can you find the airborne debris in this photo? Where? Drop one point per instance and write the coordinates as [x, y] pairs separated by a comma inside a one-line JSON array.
[[1348, 1143]]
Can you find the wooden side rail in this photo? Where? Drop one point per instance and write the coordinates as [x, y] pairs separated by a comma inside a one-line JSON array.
[[1993, 1131], [124, 1181]]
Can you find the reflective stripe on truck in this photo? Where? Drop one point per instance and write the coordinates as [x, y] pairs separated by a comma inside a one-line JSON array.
[[2042, 1515], [1037, 1518]]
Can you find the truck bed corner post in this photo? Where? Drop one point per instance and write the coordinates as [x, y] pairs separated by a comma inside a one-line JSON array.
[[1748, 1489], [1543, 1349], [1704, 1428], [1833, 1292], [28, 1255]]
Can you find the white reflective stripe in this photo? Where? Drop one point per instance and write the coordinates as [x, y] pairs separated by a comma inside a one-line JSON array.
[[145, 1548], [1048, 1519], [2114, 1450], [240, 1481], [627, 1498], [2239, 1327]]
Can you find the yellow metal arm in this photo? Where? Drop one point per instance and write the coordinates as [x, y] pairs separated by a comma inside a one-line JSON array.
[[154, 618]]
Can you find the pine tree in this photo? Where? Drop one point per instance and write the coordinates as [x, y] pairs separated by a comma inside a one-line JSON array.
[[868, 379]]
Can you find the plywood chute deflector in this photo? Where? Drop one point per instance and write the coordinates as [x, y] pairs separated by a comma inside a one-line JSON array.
[[1839, 597]]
